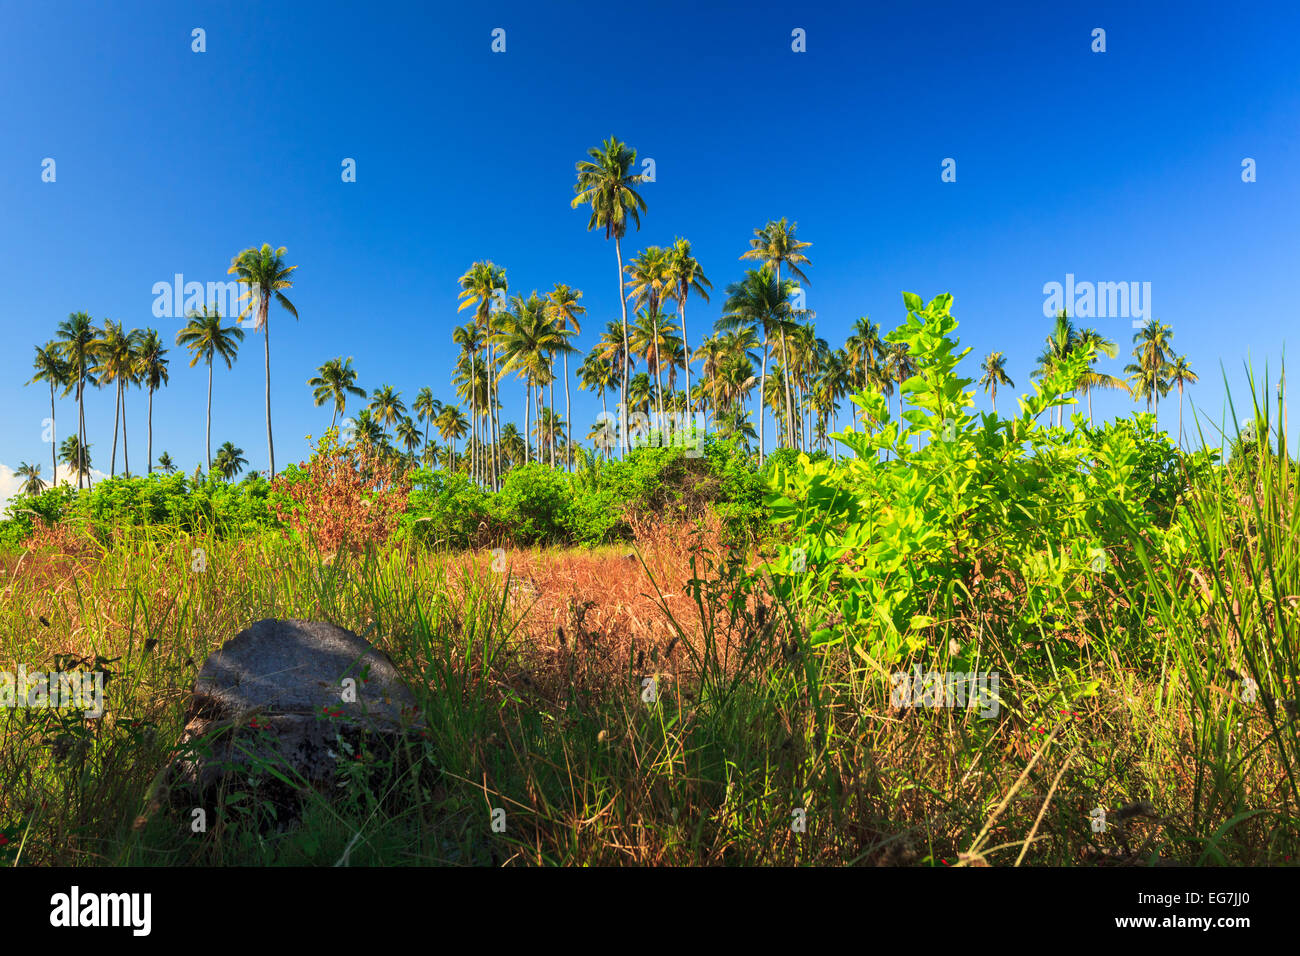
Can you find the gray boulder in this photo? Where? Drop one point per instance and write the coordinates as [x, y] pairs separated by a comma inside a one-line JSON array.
[[300, 697]]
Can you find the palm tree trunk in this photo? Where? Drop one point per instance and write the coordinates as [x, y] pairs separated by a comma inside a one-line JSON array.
[[686, 350], [117, 411], [81, 427], [762, 390], [1180, 414], [568, 419], [550, 426], [54, 439], [492, 412], [334, 417], [126, 448], [785, 379], [270, 442], [622, 301], [150, 448], [207, 431]]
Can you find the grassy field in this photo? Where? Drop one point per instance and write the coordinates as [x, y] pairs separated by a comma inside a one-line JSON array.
[[753, 744]]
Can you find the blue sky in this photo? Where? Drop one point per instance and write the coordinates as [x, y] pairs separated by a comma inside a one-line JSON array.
[[1116, 166]]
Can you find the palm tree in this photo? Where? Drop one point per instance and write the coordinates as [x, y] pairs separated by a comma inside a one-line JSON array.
[[513, 445], [865, 350], [452, 425], [654, 337], [206, 338], [549, 431], [77, 338], [470, 339], [153, 373], [166, 464], [684, 276], [900, 366], [1150, 373], [563, 308], [230, 460], [76, 455], [334, 382], [595, 373], [525, 336], [408, 433], [386, 405], [482, 285], [52, 369], [426, 409], [116, 357], [760, 301], [994, 368], [1060, 344], [1180, 374], [605, 182], [264, 272], [32, 484], [776, 245], [1091, 378]]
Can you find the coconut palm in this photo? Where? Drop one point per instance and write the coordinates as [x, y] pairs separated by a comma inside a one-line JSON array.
[[165, 463], [900, 366], [1091, 378], [525, 335], [605, 183], [482, 287], [1180, 374], [595, 373], [563, 308], [470, 337], [1149, 375], [452, 426], [865, 349], [653, 337], [513, 445], [685, 275], [76, 455], [230, 460], [32, 484], [386, 405], [994, 368], [78, 338], [265, 273], [426, 409], [116, 355], [52, 369], [334, 382], [408, 433], [1059, 346], [760, 301], [206, 338], [152, 369]]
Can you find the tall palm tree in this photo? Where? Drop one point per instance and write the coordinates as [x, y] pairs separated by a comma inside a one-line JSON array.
[[470, 338], [1059, 345], [115, 356], [78, 338], [165, 463], [76, 455], [595, 373], [265, 273], [408, 433], [452, 426], [206, 338], [33, 483], [513, 445], [230, 460], [761, 301], [776, 245], [51, 368], [334, 382], [525, 335], [654, 337], [900, 366], [1091, 378], [426, 409], [386, 405], [685, 275], [1180, 374], [1150, 373], [152, 369], [483, 285], [563, 308], [994, 368], [605, 183]]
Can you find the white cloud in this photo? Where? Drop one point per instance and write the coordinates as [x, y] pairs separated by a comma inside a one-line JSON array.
[[11, 484]]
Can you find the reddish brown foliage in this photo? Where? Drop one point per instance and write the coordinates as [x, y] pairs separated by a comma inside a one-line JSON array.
[[348, 497]]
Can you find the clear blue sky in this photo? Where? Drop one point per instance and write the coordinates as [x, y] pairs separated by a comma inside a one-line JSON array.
[[1122, 166]]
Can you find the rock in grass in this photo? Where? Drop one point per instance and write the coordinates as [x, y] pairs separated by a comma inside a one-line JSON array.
[[283, 705]]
